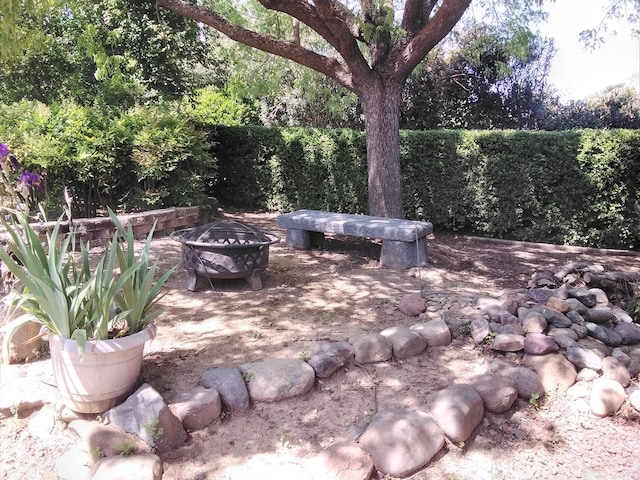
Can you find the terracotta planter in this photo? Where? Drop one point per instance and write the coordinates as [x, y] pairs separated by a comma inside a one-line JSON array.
[[105, 375], [22, 346]]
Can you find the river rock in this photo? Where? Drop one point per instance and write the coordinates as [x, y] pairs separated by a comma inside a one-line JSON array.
[[277, 379], [371, 348], [539, 344], [228, 382], [629, 333], [498, 393], [327, 357], [584, 358], [525, 379], [412, 304], [458, 409], [506, 342], [146, 415], [405, 342], [613, 369], [436, 332], [534, 322], [607, 396], [400, 442], [556, 373]]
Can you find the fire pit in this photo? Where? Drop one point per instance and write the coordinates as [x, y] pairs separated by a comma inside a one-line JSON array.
[[224, 249]]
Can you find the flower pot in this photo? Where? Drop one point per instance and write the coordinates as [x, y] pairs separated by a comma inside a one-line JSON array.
[[104, 376], [25, 343]]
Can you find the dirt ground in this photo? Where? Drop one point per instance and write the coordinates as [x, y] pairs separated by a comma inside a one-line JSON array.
[[336, 293]]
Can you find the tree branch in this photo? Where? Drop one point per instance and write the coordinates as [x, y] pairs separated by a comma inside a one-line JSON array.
[[332, 22], [416, 14], [321, 63], [409, 55]]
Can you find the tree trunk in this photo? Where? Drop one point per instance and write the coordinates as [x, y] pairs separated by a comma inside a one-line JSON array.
[[381, 104]]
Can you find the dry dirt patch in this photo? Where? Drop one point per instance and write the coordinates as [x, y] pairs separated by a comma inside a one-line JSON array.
[[336, 293]]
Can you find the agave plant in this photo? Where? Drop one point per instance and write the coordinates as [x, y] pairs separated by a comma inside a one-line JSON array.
[[69, 298]]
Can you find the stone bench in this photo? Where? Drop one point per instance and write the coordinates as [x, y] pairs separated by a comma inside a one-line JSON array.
[[404, 242]]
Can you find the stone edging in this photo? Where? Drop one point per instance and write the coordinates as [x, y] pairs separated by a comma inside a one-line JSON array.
[[451, 414]]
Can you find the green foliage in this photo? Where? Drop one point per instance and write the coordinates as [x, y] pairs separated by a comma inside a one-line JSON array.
[[577, 187], [134, 159], [281, 169], [213, 106], [67, 298]]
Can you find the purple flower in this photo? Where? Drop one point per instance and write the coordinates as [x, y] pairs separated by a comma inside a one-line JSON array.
[[4, 150], [30, 179]]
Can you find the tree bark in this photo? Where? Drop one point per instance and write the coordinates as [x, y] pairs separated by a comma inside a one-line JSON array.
[[381, 104]]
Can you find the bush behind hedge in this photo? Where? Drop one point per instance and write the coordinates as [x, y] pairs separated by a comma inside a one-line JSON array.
[[575, 187], [132, 159]]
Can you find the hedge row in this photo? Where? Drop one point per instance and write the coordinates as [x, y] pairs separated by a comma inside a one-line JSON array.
[[575, 187], [137, 159]]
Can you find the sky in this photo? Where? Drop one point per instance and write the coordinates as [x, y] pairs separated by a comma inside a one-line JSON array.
[[578, 73]]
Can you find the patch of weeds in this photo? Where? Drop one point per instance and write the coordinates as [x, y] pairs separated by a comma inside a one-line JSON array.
[[534, 400], [491, 336], [97, 453], [556, 439], [305, 356], [323, 319], [154, 431], [264, 324], [284, 440], [246, 376], [257, 335], [465, 329], [126, 448], [461, 445]]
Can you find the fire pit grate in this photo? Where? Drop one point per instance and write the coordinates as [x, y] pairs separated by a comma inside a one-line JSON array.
[[224, 249]]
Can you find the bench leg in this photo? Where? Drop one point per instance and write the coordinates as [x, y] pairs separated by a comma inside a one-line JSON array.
[[403, 255], [304, 239]]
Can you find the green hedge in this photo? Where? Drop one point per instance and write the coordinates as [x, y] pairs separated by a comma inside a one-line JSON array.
[[576, 187], [133, 159]]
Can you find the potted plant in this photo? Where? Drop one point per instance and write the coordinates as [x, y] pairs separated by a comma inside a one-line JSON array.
[[96, 320]]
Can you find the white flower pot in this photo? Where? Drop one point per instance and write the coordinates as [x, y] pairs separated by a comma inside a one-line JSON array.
[[104, 376]]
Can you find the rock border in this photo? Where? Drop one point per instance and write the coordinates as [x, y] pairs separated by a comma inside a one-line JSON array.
[[561, 337]]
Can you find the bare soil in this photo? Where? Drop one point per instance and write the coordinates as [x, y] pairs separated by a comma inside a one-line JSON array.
[[336, 293]]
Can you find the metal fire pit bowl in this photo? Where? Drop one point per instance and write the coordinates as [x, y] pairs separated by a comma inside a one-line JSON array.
[[223, 250]]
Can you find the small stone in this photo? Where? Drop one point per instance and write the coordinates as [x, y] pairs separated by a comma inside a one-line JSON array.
[[435, 332], [554, 370], [534, 322], [607, 396], [327, 357], [505, 342], [197, 408], [405, 342], [558, 304], [412, 304], [458, 410], [634, 399], [612, 369], [584, 358], [498, 393], [230, 385], [371, 348], [539, 344], [277, 379]]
